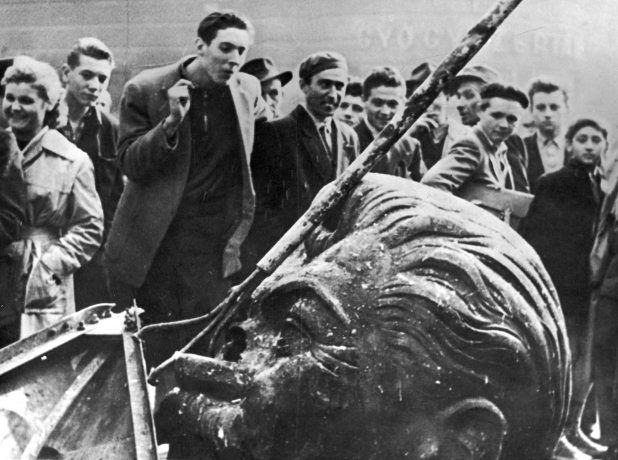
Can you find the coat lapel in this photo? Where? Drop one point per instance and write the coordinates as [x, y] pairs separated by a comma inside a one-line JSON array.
[[344, 151], [311, 143], [243, 111]]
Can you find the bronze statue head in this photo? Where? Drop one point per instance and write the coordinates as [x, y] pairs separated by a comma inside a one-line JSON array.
[[411, 325]]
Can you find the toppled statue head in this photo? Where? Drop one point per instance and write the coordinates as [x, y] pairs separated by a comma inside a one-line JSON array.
[[414, 325]]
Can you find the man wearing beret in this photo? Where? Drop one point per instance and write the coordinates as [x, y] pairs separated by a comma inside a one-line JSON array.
[[271, 80], [481, 157], [186, 136], [297, 155], [466, 88]]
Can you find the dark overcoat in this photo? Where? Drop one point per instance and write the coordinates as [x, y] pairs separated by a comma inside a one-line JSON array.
[[560, 226]]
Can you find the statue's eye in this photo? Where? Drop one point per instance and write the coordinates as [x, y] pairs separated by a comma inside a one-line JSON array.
[[296, 336]]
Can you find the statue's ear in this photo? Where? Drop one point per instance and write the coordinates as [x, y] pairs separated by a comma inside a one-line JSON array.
[[473, 429]]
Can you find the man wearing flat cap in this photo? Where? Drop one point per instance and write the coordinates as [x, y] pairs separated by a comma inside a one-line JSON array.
[[271, 80], [295, 156]]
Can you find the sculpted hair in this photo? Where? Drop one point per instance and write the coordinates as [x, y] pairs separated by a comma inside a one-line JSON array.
[[214, 22], [545, 86], [584, 123], [504, 92], [468, 300], [382, 76], [92, 47]]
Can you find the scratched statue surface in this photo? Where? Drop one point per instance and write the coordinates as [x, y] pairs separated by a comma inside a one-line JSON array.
[[411, 325]]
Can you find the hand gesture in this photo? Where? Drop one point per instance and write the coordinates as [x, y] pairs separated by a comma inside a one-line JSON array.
[[179, 100]]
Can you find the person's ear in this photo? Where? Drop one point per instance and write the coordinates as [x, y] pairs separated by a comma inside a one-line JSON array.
[[64, 73], [474, 429], [304, 86], [200, 46]]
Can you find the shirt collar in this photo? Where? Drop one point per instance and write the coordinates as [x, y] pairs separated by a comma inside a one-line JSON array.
[[487, 142], [318, 124], [542, 141], [33, 147]]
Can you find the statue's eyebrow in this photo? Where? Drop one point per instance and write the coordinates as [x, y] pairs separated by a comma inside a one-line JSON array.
[[289, 283]]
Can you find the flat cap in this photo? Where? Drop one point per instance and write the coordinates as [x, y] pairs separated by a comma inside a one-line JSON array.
[[481, 73]]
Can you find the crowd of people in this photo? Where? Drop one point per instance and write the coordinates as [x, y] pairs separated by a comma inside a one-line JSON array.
[[176, 201]]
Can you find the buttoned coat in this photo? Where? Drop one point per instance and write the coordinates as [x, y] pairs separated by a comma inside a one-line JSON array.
[[560, 226], [158, 172], [63, 227]]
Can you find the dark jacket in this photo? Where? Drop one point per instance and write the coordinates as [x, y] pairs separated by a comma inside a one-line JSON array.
[[560, 226], [158, 172], [604, 254], [290, 166], [535, 166], [403, 160], [13, 200], [98, 139]]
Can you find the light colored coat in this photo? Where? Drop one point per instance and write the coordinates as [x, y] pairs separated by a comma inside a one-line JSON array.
[[64, 224]]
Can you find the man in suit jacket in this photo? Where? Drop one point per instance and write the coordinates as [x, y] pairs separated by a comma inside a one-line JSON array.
[[384, 91], [297, 155], [481, 157], [186, 135], [548, 104], [466, 88]]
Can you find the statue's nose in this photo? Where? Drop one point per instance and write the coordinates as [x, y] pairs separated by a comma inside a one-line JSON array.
[[217, 378]]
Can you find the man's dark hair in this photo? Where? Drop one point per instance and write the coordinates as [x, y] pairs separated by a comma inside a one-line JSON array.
[[89, 46], [382, 76], [354, 89], [214, 22], [504, 92], [545, 86], [584, 123]]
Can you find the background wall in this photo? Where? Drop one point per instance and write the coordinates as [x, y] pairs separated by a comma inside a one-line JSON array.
[[571, 39]]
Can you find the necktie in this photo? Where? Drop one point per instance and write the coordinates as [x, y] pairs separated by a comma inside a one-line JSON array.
[[326, 140]]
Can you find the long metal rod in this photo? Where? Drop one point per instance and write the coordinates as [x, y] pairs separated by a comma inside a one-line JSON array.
[[333, 193]]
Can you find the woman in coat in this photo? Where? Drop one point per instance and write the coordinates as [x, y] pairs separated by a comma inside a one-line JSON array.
[[64, 219]]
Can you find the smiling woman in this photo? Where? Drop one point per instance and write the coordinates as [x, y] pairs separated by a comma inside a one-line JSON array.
[[64, 220]]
